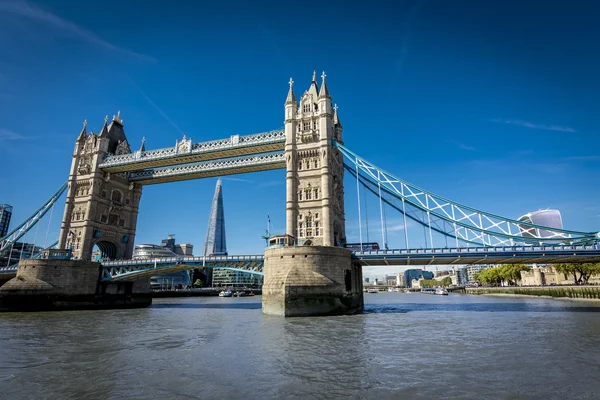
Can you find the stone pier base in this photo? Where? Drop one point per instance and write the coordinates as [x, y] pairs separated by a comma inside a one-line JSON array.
[[311, 280], [69, 285]]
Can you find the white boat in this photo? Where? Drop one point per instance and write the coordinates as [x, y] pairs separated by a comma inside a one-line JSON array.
[[373, 291], [390, 289], [441, 291], [224, 293]]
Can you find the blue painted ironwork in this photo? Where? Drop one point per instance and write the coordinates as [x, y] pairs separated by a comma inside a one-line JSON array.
[[236, 165], [30, 222], [137, 269], [169, 156], [481, 255], [463, 223]]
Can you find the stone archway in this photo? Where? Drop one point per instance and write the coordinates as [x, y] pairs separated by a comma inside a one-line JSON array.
[[108, 249]]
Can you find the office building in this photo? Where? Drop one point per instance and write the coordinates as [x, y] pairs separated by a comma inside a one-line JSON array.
[[549, 218], [5, 214]]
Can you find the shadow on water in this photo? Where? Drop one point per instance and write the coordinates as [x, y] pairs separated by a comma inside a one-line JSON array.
[[231, 306], [478, 307]]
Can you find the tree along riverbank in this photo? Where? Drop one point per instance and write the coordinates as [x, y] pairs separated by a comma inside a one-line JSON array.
[[572, 292]]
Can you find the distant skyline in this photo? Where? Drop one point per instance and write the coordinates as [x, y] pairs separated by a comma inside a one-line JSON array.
[[491, 104]]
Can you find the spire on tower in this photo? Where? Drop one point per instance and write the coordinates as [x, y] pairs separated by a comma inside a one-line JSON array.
[[324, 92], [83, 132], [291, 97], [314, 87], [104, 130], [215, 235], [143, 147], [336, 118]]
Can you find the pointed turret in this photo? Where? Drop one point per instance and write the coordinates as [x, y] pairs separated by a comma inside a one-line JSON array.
[[336, 118], [291, 97], [143, 147], [314, 88], [104, 131], [324, 92], [83, 133]]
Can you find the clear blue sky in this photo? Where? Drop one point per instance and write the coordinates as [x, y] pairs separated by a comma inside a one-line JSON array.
[[493, 104]]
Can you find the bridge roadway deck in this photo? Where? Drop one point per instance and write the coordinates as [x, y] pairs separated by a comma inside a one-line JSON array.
[[233, 146], [207, 169], [136, 269], [480, 255]]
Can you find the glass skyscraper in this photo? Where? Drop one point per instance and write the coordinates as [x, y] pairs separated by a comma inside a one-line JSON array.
[[5, 214]]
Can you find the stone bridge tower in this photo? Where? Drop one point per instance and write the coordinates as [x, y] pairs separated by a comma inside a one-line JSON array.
[[316, 274], [314, 168], [101, 209]]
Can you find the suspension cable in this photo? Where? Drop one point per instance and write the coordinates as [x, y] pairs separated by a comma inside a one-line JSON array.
[[366, 216], [49, 222], [381, 212], [359, 214]]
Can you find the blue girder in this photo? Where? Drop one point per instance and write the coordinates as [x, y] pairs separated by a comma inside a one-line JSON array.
[[137, 269], [463, 223], [30, 222]]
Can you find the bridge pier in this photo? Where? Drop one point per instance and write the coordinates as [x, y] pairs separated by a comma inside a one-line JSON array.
[[53, 284], [311, 280]]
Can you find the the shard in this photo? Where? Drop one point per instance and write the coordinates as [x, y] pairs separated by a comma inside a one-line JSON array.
[[215, 235]]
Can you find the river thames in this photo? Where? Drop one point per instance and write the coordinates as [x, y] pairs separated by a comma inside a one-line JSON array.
[[404, 346]]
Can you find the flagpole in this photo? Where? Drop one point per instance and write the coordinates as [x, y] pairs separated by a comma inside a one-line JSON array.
[[268, 225]]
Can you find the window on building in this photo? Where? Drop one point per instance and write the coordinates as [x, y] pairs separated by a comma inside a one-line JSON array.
[[103, 194], [116, 196], [316, 215], [300, 165], [306, 126], [316, 163], [300, 198], [316, 193], [308, 194], [308, 232]]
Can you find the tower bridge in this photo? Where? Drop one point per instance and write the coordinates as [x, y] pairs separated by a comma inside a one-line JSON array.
[[313, 274]]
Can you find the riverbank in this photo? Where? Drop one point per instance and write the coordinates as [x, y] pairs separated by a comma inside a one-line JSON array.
[[559, 292]]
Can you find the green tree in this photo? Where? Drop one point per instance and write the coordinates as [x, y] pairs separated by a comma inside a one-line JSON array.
[[447, 281], [197, 284], [581, 273]]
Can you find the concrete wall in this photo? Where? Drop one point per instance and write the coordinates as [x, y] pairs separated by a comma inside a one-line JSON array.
[[64, 276], [311, 280], [69, 284]]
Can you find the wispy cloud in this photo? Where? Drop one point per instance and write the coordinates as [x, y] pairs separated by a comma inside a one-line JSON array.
[[35, 13], [556, 128], [6, 135], [463, 146], [238, 180], [272, 183], [583, 158], [153, 104], [407, 33]]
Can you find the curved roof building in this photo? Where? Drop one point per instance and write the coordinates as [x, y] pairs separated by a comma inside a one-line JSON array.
[[548, 218]]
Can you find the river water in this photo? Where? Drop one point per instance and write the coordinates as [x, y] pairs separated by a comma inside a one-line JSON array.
[[405, 346]]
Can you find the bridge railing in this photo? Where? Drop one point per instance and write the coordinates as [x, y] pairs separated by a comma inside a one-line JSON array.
[[470, 250], [182, 260], [234, 141]]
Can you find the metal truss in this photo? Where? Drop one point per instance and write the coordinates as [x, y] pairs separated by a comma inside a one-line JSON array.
[[453, 220], [30, 222], [138, 269], [480, 255], [218, 167], [233, 142]]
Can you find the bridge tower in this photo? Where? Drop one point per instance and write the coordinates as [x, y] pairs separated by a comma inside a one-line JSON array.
[[315, 276], [101, 209], [314, 169]]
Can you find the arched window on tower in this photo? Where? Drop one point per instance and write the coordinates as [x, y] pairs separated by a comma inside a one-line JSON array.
[[300, 199], [116, 196]]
